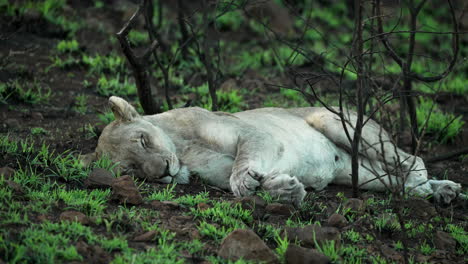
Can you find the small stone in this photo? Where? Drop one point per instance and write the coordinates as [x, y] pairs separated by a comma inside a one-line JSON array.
[[99, 178], [203, 206], [355, 205], [390, 253], [337, 220], [245, 244], [125, 190], [82, 248], [255, 203], [305, 235], [280, 209], [299, 255], [42, 218], [74, 216], [7, 172], [444, 241], [164, 205], [195, 234], [420, 208], [37, 116], [181, 220], [18, 189], [12, 123], [146, 237]]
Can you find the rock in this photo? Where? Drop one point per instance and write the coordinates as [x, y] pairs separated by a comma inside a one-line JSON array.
[[390, 253], [255, 203], [12, 123], [277, 16], [337, 220], [305, 235], [7, 172], [228, 85], [42, 218], [37, 116], [444, 241], [245, 244], [280, 209], [355, 205], [125, 190], [74, 216], [299, 255], [146, 237], [420, 208], [181, 220], [17, 189], [203, 206], [99, 178], [164, 205]]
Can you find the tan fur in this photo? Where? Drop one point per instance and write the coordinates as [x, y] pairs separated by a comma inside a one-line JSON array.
[[279, 150]]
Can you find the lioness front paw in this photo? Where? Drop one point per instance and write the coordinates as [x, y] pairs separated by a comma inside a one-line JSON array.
[[445, 191], [244, 184], [284, 187]]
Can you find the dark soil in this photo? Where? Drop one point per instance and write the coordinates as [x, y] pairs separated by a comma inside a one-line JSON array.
[[27, 45]]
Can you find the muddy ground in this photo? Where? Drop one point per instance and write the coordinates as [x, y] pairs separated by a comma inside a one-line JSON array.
[[28, 47]]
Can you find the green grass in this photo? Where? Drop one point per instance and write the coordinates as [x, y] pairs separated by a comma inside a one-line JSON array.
[[68, 46], [115, 86], [81, 104], [138, 38], [98, 64], [226, 216], [443, 126], [39, 131], [166, 194], [228, 101], [30, 92]]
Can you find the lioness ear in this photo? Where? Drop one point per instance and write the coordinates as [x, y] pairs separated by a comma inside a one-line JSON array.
[[123, 111]]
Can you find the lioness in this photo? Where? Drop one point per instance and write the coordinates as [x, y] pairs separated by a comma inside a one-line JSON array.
[[278, 150]]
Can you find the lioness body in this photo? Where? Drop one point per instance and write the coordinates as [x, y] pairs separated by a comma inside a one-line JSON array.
[[278, 150], [295, 149]]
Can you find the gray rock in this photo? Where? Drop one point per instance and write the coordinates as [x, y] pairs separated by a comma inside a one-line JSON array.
[[254, 203], [337, 220], [125, 190], [99, 178], [146, 237], [7, 172], [356, 205], [299, 255], [420, 208], [444, 241], [164, 205], [280, 209], [305, 235], [74, 216], [390, 253], [247, 245]]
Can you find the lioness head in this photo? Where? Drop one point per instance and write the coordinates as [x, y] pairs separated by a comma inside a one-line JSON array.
[[139, 147]]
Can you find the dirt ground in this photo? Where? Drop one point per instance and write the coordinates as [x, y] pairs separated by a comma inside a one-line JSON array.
[[27, 47]]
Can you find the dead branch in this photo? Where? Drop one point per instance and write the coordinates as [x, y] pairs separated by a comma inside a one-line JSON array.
[[138, 64]]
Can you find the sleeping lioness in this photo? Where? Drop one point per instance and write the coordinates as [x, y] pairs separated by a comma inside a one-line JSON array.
[[281, 151]]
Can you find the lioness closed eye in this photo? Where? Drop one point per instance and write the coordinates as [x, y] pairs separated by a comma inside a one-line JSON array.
[[278, 150]]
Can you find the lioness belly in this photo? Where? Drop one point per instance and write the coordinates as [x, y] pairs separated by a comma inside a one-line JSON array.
[[308, 154]]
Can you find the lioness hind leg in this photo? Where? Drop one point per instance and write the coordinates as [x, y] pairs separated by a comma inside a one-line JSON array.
[[284, 187]]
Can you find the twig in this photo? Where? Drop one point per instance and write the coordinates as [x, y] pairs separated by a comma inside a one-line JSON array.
[[142, 80]]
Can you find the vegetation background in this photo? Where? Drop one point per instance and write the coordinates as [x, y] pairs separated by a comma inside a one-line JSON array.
[[60, 61]]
